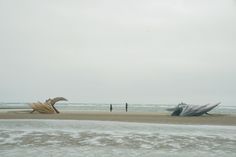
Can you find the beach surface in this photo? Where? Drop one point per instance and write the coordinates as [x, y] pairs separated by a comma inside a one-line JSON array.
[[215, 119]]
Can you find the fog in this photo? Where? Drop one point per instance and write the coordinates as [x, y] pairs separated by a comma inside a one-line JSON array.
[[115, 51]]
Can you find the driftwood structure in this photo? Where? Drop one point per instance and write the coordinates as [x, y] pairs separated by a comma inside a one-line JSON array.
[[183, 109], [47, 106]]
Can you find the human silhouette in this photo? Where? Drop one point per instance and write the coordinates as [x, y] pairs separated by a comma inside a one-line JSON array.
[[126, 107], [110, 107]]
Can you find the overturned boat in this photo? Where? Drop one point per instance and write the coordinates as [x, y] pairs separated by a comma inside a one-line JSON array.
[[183, 109]]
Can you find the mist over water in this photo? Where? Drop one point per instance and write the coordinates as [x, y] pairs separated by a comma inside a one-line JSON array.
[[118, 50], [117, 107], [111, 51]]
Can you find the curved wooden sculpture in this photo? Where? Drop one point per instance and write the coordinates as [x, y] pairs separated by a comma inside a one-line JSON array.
[[47, 106], [183, 109]]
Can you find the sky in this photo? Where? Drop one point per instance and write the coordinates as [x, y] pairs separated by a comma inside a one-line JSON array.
[[116, 51]]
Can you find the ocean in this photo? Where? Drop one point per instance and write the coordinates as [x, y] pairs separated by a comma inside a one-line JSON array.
[[103, 107], [71, 138], [78, 138]]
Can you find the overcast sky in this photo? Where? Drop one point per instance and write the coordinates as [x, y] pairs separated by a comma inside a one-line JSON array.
[[115, 51]]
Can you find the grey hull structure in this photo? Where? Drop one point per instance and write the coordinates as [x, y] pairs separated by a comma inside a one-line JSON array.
[[183, 109]]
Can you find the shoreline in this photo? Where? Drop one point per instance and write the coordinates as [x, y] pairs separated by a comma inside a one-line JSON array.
[[140, 117]]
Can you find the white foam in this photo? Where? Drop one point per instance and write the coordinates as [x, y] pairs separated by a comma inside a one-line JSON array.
[[121, 136]]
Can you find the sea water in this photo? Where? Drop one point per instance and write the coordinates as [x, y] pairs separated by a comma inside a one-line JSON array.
[[71, 138], [117, 107]]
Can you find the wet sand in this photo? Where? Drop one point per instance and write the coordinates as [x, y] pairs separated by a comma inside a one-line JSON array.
[[214, 119]]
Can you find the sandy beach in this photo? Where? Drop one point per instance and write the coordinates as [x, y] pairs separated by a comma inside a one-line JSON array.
[[215, 119]]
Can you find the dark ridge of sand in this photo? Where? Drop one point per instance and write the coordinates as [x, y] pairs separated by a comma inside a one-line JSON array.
[[215, 119]]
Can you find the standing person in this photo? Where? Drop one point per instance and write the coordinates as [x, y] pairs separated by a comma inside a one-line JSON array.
[[126, 107], [110, 107]]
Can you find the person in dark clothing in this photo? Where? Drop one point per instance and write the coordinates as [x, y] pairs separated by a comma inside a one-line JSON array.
[[126, 107], [110, 107]]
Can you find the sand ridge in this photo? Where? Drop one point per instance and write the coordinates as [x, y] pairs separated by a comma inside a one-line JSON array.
[[215, 119]]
